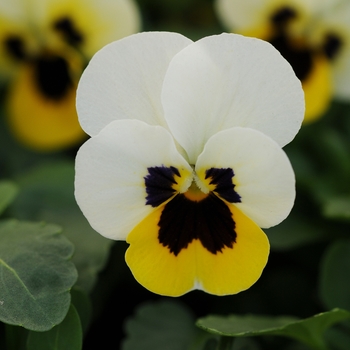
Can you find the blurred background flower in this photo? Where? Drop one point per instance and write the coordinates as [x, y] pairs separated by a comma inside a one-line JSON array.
[[314, 36], [45, 46]]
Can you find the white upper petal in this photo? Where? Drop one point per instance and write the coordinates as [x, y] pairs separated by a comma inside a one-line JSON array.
[[229, 80], [124, 79], [263, 175], [110, 171]]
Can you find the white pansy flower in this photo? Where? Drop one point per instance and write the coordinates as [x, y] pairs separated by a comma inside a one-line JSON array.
[[185, 160]]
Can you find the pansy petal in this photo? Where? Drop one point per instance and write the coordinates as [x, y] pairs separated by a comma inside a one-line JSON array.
[[236, 269], [124, 80], [228, 80], [242, 16], [15, 36], [87, 24], [110, 174], [38, 121], [336, 23], [262, 175], [227, 272]]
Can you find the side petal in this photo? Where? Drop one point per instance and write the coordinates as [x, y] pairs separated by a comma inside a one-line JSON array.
[[229, 80], [110, 174], [227, 272], [124, 80], [263, 176]]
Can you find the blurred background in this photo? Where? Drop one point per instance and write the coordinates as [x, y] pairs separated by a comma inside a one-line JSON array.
[[309, 267]]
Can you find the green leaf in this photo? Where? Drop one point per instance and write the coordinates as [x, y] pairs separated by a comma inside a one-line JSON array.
[[36, 274], [15, 338], [8, 192], [82, 304], [293, 232], [339, 339], [66, 335], [335, 272], [47, 194], [158, 326], [337, 207], [308, 331]]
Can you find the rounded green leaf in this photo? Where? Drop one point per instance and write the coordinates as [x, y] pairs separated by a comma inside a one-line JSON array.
[[36, 274], [337, 207], [83, 305], [65, 336], [47, 194], [308, 331], [158, 326]]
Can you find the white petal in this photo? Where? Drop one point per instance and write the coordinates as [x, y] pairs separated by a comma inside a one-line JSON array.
[[124, 80], [263, 176], [229, 80], [110, 170]]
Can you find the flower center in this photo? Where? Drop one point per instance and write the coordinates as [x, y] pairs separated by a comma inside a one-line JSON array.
[[194, 193], [193, 214], [52, 76]]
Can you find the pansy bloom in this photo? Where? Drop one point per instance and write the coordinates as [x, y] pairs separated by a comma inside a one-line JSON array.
[[185, 160], [44, 47], [313, 35]]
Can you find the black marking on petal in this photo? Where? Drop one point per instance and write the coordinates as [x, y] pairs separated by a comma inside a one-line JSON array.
[[14, 45], [52, 76], [332, 45], [67, 28], [222, 178], [159, 182], [300, 58], [283, 16], [209, 220]]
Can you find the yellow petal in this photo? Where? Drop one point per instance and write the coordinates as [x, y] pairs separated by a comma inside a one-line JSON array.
[[153, 265], [227, 272], [38, 122], [318, 89], [236, 269]]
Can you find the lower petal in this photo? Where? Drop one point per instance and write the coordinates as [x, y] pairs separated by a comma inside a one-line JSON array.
[[236, 269], [41, 123], [227, 272], [318, 89], [153, 265]]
